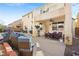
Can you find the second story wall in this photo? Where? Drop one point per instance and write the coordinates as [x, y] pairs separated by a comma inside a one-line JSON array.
[[49, 11], [16, 25], [27, 21]]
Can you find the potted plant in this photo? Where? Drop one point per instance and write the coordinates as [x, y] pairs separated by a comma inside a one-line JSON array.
[[38, 29]]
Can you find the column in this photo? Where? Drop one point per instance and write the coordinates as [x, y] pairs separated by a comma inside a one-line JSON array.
[[68, 24], [34, 29], [47, 24]]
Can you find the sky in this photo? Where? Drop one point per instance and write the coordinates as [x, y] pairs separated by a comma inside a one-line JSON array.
[[75, 9], [10, 12]]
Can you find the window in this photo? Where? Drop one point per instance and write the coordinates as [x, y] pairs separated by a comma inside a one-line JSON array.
[[44, 11], [28, 16], [47, 10], [54, 23], [54, 28], [40, 11], [32, 15], [60, 26], [60, 22]]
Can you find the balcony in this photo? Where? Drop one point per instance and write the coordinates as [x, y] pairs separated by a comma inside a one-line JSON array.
[[50, 14]]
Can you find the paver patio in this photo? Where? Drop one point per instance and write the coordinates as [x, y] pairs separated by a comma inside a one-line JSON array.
[[49, 47]]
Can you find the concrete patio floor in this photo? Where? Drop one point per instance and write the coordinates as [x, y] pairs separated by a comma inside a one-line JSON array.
[[47, 47]]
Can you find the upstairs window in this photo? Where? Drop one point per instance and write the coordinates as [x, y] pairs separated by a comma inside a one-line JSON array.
[[32, 15], [47, 10], [28, 16], [40, 11], [44, 11]]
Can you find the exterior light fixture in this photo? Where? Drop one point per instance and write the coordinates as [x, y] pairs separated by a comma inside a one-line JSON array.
[[50, 20]]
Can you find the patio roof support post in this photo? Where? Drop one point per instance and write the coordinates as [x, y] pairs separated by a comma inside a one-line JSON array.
[[68, 24], [47, 27], [34, 32]]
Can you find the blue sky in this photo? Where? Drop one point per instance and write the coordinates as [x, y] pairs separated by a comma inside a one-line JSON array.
[[11, 12], [75, 9]]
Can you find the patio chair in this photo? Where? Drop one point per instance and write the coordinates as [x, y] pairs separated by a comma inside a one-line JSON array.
[[59, 35], [50, 35], [55, 35], [47, 35], [23, 44]]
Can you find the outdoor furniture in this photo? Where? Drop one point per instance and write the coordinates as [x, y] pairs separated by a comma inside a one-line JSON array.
[[47, 35], [54, 35], [59, 34], [50, 35], [24, 46], [14, 39], [25, 52], [14, 42]]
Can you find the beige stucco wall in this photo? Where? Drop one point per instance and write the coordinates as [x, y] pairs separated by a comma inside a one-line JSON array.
[[15, 24], [58, 10], [54, 11], [27, 21]]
